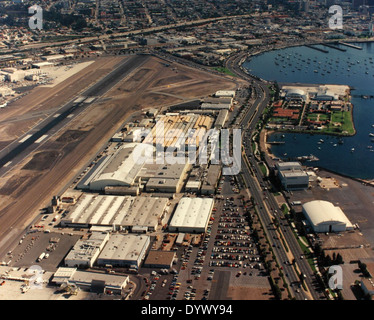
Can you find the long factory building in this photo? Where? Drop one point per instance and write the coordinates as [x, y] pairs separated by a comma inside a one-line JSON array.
[[170, 127], [120, 212]]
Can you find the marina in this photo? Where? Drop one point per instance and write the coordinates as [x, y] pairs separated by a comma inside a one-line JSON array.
[[355, 68]]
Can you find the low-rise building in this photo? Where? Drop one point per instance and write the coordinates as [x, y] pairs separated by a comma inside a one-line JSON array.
[[192, 215], [159, 259], [118, 212], [292, 176], [90, 281], [85, 252], [124, 250]]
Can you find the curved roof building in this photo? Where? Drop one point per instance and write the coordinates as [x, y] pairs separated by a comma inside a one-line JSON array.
[[323, 216], [296, 93], [120, 169]]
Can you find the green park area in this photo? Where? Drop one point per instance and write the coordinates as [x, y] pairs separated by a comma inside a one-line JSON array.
[[341, 123], [224, 70]]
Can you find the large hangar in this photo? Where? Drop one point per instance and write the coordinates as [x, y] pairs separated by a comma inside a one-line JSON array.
[[323, 216], [192, 215], [120, 169]]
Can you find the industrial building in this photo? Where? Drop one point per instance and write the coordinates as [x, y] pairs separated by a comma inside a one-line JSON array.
[[118, 212], [167, 178], [192, 215], [216, 106], [225, 93], [174, 130], [124, 250], [323, 216], [221, 103], [292, 176], [85, 251], [146, 212], [119, 169], [90, 281], [193, 186], [159, 259], [210, 182], [221, 119]]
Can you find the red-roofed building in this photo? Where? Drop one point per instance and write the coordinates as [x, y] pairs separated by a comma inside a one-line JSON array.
[[286, 113]]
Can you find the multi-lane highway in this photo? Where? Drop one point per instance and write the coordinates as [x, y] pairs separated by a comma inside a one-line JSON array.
[[267, 206]]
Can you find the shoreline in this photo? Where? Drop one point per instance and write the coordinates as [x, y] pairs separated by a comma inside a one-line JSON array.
[[271, 156]]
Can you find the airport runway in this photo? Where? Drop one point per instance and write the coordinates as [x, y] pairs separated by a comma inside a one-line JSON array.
[[16, 152]]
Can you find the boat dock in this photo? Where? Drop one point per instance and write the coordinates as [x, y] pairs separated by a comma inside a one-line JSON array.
[[362, 96], [333, 47], [315, 48], [276, 142], [311, 157], [350, 45]]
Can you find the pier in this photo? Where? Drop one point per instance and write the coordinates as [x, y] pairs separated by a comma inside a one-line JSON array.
[[311, 157], [333, 47], [362, 96], [350, 45], [315, 48], [276, 142]]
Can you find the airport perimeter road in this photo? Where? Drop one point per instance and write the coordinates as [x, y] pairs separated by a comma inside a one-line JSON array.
[[31, 140], [266, 204]]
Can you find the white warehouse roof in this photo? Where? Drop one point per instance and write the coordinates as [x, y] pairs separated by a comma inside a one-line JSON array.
[[126, 249], [322, 214], [225, 93], [125, 211], [192, 215]]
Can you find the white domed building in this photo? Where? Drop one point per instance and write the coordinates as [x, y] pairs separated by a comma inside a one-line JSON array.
[[323, 216]]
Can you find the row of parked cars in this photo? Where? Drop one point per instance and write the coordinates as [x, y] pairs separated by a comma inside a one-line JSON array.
[[233, 246]]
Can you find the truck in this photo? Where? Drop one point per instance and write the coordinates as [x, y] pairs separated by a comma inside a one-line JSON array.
[[296, 203], [40, 258]]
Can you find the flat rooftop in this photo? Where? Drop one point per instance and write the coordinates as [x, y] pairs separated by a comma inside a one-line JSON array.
[[108, 210]]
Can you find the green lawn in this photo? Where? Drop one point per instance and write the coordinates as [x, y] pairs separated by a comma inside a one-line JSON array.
[[224, 70], [263, 169], [346, 120], [324, 117], [312, 117]]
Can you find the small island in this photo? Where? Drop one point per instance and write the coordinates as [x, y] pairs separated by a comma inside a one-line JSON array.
[[312, 108]]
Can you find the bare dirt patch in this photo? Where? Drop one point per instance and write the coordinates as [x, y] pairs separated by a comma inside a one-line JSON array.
[[71, 135], [16, 184], [247, 293], [42, 160], [172, 79]]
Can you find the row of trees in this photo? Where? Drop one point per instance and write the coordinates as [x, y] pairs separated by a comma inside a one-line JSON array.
[[326, 260]]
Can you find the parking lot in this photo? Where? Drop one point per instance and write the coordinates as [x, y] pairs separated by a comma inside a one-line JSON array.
[[33, 244], [227, 256]]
